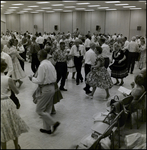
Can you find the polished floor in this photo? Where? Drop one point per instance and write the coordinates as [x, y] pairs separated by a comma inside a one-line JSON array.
[[75, 112]]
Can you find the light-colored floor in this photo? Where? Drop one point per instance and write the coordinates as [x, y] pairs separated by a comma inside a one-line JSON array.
[[75, 112]]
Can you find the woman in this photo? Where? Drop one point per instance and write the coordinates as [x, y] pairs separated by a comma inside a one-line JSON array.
[[119, 65], [12, 126], [17, 73], [142, 49], [99, 76], [70, 63]]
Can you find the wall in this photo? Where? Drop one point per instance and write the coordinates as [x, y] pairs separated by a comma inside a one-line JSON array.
[[3, 23], [124, 22]]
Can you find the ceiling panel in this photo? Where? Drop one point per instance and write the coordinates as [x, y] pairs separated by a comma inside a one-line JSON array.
[[5, 5]]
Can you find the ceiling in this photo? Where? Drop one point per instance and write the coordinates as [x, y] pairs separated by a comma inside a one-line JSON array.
[[6, 6]]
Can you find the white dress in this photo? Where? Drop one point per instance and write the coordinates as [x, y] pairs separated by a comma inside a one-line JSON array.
[[17, 73], [12, 124]]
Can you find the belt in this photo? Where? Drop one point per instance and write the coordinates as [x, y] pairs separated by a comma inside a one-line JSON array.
[[3, 98]]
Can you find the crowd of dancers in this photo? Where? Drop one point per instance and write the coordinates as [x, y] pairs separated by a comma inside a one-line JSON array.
[[53, 57]]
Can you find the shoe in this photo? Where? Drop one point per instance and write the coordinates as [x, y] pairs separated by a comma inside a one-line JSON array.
[[116, 83], [53, 113], [77, 83], [18, 106], [62, 89], [73, 77], [131, 72], [121, 83], [20, 83], [55, 126], [45, 131], [90, 96]]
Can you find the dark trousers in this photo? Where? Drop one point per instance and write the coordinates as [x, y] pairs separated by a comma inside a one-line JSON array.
[[13, 97], [87, 69], [87, 48], [106, 64], [41, 46], [21, 62], [61, 68], [78, 66], [131, 61], [35, 62]]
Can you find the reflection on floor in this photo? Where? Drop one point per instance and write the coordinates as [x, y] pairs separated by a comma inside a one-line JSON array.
[[75, 113]]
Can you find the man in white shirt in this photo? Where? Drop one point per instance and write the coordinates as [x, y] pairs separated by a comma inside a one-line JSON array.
[[45, 78], [105, 52], [126, 44], [8, 71], [89, 58], [40, 41], [87, 43], [78, 51]]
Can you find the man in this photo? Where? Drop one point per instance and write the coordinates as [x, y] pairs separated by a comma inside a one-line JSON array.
[[60, 57], [78, 51], [105, 52], [126, 43], [34, 48], [8, 72], [45, 78], [90, 58], [40, 41], [87, 42], [133, 48]]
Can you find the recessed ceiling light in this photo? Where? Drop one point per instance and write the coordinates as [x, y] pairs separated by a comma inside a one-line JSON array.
[[33, 6], [69, 7], [103, 7], [7, 13], [82, 3], [93, 5], [113, 2], [57, 9], [121, 4], [80, 8], [27, 9], [67, 11], [39, 10], [42, 2], [89, 10], [50, 11], [111, 9], [34, 12], [128, 6], [46, 8], [135, 8], [3, 2], [13, 7], [57, 5], [142, 1], [17, 4]]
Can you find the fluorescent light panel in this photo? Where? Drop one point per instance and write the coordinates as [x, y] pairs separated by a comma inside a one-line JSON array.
[[103, 7], [128, 6], [82, 3], [57, 5], [69, 1], [50, 11], [13, 7], [34, 12], [135, 8], [39, 10], [57, 9], [3, 2], [111, 9], [112, 2], [46, 8], [80, 8], [42, 2], [69, 7], [121, 4], [33, 6], [17, 4], [89, 10], [27, 9], [93, 5], [67, 11]]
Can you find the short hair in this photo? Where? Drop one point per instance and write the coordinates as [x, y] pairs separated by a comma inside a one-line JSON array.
[[139, 79], [43, 53], [133, 38], [3, 65], [99, 49], [61, 43], [102, 40], [92, 45], [11, 42], [33, 38]]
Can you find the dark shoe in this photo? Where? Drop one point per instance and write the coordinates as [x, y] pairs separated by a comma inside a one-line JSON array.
[[55, 126], [62, 89], [53, 113], [18, 106], [19, 146], [121, 83], [45, 131], [131, 72], [116, 83], [77, 83]]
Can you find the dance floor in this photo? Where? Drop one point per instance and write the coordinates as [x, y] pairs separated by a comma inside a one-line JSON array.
[[75, 112]]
